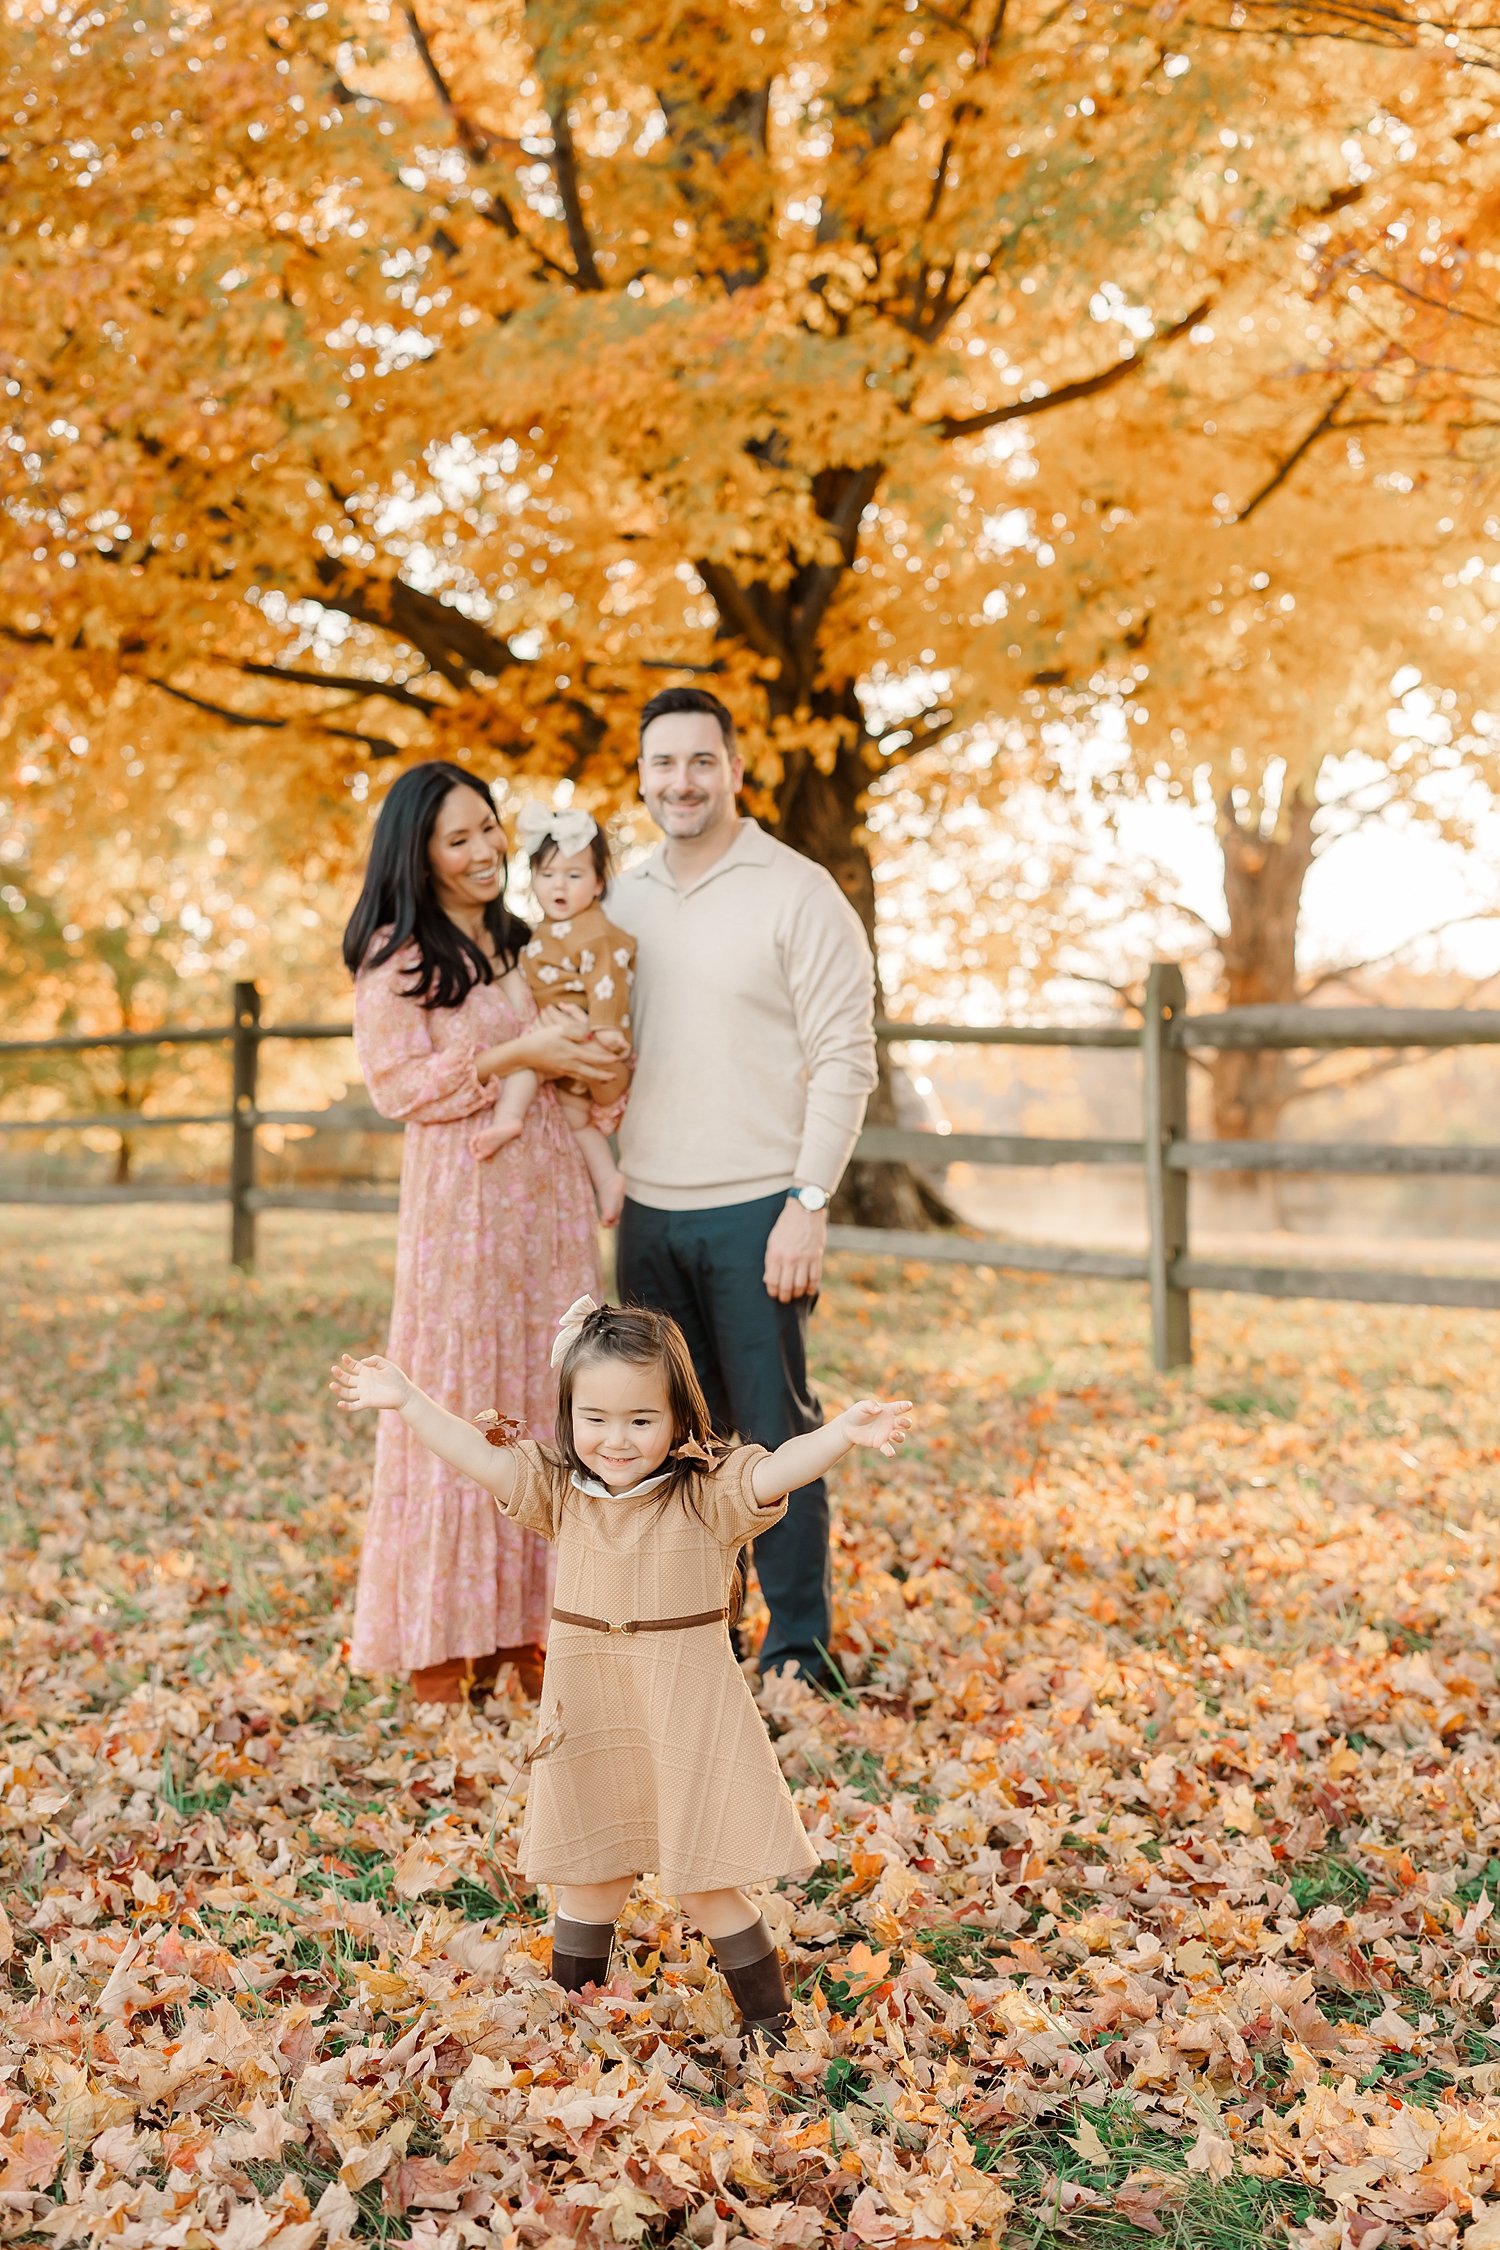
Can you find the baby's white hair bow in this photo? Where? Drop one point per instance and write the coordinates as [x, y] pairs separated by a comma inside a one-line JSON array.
[[571, 1323], [569, 829]]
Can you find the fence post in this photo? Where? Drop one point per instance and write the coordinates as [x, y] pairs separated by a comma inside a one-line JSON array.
[[245, 1053], [1165, 1104]]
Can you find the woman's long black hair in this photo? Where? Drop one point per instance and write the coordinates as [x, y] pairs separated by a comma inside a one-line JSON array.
[[400, 899]]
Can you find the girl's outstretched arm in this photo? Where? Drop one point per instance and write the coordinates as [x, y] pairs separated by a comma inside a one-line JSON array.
[[879, 1422], [375, 1381]]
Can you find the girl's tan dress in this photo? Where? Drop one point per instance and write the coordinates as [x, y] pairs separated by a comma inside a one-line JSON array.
[[653, 1758]]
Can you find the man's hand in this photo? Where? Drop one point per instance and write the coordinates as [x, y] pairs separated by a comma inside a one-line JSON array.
[[794, 1253]]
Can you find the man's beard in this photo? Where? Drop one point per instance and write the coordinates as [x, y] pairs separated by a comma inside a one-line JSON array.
[[690, 820]]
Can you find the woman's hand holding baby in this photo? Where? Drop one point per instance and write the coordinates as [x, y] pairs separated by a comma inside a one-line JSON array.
[[878, 1422], [370, 1382]]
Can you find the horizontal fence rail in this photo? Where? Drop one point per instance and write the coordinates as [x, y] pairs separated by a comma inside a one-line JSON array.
[[1167, 1155]]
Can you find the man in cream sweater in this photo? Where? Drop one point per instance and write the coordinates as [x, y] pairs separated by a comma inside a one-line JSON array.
[[754, 1023]]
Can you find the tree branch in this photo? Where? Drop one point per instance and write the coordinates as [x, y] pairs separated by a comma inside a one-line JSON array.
[[453, 645], [474, 143], [1421, 296], [1088, 386], [394, 691], [1180, 906], [215, 710], [822, 578], [378, 745], [565, 173], [478, 146], [940, 15], [1378, 960], [737, 609], [1304, 445], [1373, 26], [1122, 992]]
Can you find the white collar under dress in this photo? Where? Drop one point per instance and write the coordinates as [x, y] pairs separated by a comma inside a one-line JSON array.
[[593, 1489]]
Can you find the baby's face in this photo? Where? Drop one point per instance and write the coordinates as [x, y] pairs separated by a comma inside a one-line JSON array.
[[566, 884]]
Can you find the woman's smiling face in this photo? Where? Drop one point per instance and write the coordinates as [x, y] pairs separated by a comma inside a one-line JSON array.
[[466, 851], [622, 1420]]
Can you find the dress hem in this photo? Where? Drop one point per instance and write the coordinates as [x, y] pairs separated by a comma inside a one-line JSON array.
[[675, 1881]]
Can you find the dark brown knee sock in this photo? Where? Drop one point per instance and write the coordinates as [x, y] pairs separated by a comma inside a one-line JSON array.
[[580, 1952], [751, 1968]]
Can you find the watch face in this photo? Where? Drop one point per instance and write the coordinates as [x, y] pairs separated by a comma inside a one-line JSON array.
[[810, 1198]]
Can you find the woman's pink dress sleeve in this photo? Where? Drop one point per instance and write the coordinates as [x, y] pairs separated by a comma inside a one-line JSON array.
[[409, 1072]]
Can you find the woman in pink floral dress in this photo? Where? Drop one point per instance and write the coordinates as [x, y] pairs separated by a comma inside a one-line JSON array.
[[489, 1252]]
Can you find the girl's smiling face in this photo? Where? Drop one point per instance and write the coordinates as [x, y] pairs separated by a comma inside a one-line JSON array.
[[622, 1420]]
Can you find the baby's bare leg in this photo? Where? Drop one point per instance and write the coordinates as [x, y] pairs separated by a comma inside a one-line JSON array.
[[575, 1104], [608, 1179], [517, 1093]]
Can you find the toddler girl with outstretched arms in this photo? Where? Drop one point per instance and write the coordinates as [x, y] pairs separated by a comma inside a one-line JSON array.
[[654, 1755]]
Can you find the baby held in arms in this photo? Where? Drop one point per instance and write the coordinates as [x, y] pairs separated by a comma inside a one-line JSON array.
[[577, 957]]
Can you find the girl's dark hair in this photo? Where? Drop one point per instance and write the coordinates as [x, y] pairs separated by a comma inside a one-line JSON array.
[[399, 896], [598, 852], [646, 1339]]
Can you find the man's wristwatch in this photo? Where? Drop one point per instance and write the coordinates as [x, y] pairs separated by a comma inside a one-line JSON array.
[[810, 1198]]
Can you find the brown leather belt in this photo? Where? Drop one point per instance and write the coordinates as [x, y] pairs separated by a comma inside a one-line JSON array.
[[640, 1624]]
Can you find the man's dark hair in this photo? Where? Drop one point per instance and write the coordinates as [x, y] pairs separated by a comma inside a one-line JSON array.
[[673, 699]]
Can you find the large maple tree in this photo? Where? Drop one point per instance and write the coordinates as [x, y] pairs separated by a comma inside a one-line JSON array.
[[385, 381]]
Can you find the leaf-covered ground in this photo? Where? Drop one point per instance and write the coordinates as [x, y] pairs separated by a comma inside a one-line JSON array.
[[1161, 1824]]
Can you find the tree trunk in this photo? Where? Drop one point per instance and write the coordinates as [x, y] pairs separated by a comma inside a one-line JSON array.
[[1264, 876], [819, 814], [127, 1096]]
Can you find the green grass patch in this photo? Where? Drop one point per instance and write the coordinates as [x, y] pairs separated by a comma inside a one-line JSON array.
[[843, 2082], [1473, 1887], [957, 1951], [184, 1797], [1328, 1880], [1186, 2208], [1248, 1404]]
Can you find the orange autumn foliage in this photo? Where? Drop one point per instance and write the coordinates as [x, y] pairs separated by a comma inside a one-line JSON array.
[[392, 380]]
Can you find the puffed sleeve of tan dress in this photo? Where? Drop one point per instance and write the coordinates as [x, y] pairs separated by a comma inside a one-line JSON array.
[[729, 1506], [536, 1502]]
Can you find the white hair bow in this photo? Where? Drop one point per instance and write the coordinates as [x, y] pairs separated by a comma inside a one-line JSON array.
[[569, 1326], [570, 829]]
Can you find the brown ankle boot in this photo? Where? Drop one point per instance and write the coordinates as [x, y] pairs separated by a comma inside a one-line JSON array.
[[580, 1952], [751, 1968], [464, 1678], [442, 1683], [528, 1660]]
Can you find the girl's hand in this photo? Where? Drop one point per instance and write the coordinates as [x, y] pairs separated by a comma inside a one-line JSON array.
[[369, 1382], [880, 1422]]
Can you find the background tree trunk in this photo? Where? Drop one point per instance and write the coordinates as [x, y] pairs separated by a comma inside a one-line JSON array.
[[1264, 876], [819, 814]]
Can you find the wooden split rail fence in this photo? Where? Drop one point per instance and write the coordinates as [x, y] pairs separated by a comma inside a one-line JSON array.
[[1167, 1154]]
